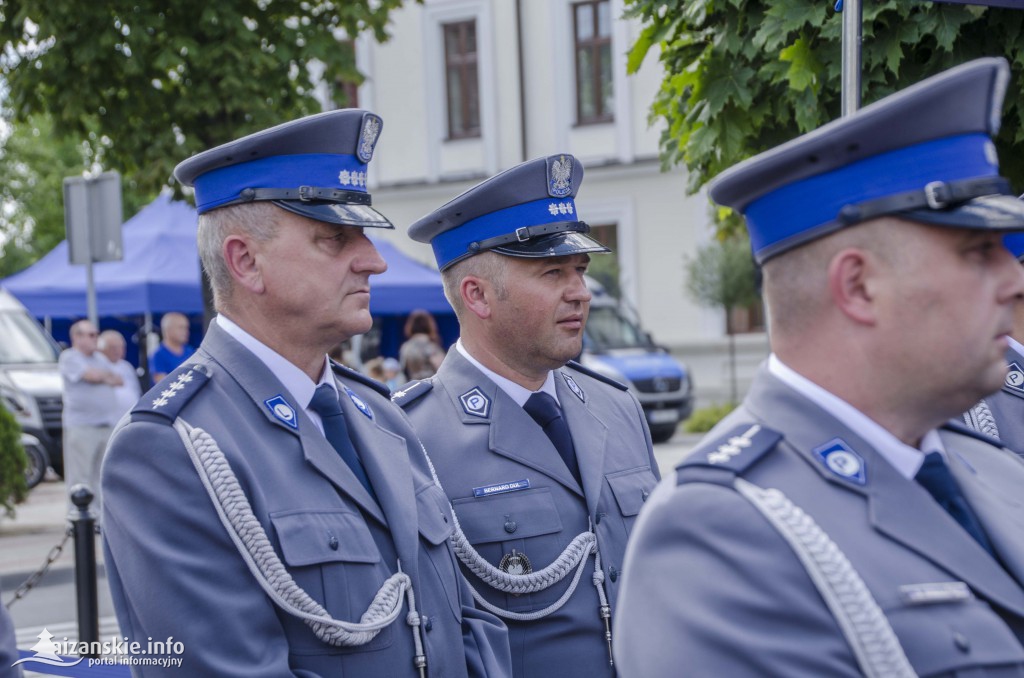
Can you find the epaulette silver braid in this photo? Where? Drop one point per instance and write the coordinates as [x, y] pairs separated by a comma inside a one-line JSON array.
[[981, 420], [867, 630], [254, 546]]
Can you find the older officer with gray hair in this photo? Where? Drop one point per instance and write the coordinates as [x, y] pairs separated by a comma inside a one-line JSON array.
[[546, 463], [270, 509], [836, 524]]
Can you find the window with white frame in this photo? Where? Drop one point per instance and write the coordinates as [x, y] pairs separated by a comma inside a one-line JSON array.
[[460, 65], [592, 29]]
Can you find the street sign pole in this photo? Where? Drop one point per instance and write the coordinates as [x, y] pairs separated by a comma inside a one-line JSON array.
[[852, 37]]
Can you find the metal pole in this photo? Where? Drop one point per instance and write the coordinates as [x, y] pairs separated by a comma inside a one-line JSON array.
[[90, 295], [85, 568], [852, 19]]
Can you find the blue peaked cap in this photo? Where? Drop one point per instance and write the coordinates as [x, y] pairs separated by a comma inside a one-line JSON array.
[[314, 166], [924, 154], [526, 211]]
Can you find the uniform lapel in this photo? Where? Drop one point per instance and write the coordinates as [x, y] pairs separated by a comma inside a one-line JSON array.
[[385, 457], [261, 386], [990, 481], [512, 432], [897, 506], [589, 437]]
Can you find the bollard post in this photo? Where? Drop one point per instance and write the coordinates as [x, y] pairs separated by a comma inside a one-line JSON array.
[[84, 529]]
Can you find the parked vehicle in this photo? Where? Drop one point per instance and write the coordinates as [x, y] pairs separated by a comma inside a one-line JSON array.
[[30, 385], [614, 345]]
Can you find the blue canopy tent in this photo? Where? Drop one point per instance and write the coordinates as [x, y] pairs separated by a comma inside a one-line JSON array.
[[160, 273]]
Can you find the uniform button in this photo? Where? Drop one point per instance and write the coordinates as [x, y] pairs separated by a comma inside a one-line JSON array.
[[613, 574], [644, 494], [962, 642], [597, 518], [332, 542], [428, 624], [511, 526]]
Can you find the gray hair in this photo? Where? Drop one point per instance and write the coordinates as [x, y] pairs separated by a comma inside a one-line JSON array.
[[487, 265], [259, 220]]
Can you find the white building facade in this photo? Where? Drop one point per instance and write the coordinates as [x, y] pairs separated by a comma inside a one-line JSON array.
[[468, 88]]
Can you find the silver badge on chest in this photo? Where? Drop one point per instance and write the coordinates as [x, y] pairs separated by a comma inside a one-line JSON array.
[[515, 563]]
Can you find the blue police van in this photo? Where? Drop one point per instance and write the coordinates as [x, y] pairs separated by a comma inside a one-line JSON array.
[[614, 345]]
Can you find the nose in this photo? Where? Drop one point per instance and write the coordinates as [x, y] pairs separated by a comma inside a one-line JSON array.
[[579, 291], [368, 259]]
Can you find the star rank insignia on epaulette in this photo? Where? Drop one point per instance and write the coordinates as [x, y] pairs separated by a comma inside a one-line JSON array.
[[170, 396]]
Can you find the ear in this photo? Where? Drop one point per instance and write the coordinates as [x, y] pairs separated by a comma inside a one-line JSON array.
[[476, 296], [853, 283], [240, 257]]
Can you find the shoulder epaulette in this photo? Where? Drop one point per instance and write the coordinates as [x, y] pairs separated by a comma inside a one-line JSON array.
[[349, 373], [411, 391], [735, 451], [596, 375], [168, 398], [954, 425]]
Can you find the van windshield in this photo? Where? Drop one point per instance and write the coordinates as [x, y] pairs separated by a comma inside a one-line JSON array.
[[22, 341], [608, 329]]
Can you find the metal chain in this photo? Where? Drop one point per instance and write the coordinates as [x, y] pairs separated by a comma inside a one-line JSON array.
[[34, 578]]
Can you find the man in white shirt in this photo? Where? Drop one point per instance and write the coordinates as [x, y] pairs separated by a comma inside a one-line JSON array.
[[112, 345], [835, 524]]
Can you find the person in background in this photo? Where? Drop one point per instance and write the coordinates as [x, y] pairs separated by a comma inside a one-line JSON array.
[[90, 410], [174, 348], [421, 353], [112, 345], [392, 373]]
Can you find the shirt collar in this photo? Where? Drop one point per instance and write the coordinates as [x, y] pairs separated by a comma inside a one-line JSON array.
[[519, 394], [298, 383], [1015, 345], [904, 458]]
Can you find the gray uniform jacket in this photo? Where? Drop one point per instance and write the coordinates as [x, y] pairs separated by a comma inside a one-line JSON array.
[[1001, 415], [712, 589], [174, 571], [489, 442]]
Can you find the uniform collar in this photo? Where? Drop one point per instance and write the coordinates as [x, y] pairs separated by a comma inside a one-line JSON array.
[[904, 458], [513, 390], [1015, 346], [299, 385]]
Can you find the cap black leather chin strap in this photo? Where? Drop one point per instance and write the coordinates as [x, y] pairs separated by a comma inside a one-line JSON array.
[[936, 195], [526, 233], [303, 194]]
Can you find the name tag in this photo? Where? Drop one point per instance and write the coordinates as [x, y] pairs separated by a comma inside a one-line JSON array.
[[501, 488], [939, 592]]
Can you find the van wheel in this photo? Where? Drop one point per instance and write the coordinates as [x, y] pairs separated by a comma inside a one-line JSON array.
[[661, 433], [35, 470]]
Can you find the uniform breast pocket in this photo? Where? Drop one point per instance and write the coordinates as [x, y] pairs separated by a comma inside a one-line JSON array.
[[331, 555], [954, 638], [631, 489], [436, 526], [527, 522]]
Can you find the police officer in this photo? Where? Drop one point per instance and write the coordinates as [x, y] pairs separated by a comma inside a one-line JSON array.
[[834, 524], [267, 508], [545, 463], [1001, 415]]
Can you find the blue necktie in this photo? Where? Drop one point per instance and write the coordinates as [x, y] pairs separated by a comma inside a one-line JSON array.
[[935, 477], [325, 403], [545, 411]]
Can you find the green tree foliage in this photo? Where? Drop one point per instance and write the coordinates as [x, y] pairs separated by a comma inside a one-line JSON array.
[[743, 76], [13, 488], [34, 160], [722, 275], [148, 83]]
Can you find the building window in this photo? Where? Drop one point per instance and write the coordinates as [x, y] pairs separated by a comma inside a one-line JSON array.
[[460, 61], [593, 38], [604, 268], [347, 84]]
